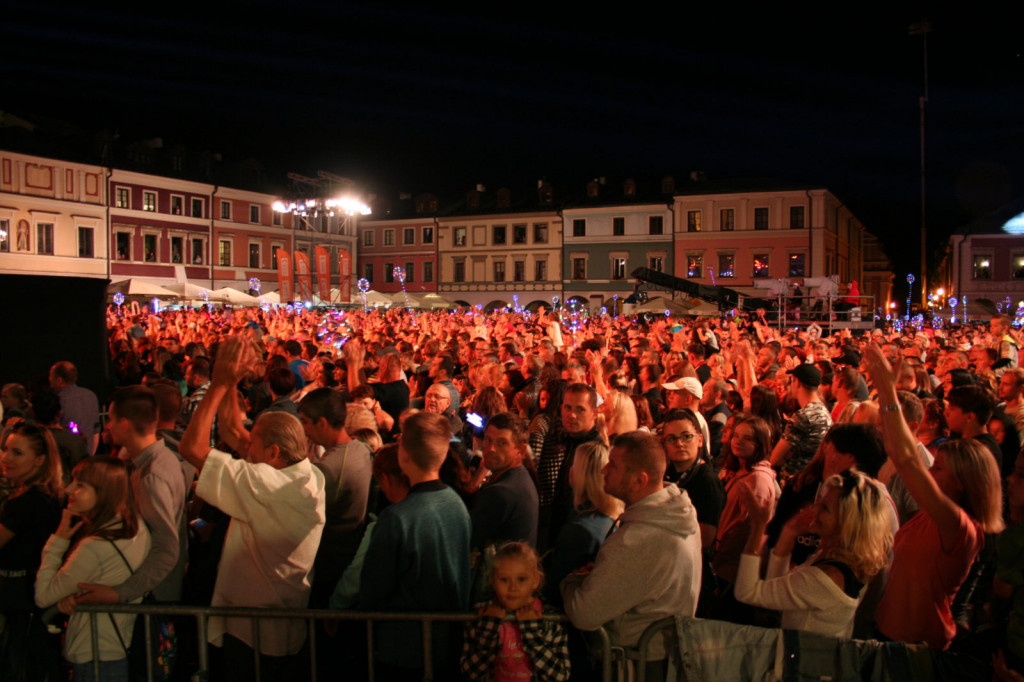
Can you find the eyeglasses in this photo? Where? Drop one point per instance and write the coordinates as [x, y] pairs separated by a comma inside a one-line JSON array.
[[680, 439]]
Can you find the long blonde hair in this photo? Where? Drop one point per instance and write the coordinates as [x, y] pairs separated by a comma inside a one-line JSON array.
[[588, 481], [865, 528], [976, 470]]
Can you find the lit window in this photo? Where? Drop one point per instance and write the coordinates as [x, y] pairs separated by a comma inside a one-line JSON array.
[[540, 233], [177, 205], [726, 265], [428, 235], [727, 218], [460, 236], [983, 267], [224, 252], [1018, 266], [579, 268], [499, 271], [124, 245], [149, 201], [693, 221], [618, 268], [761, 263], [198, 251], [124, 198], [656, 263], [796, 264], [254, 255], [695, 267], [177, 249], [149, 246]]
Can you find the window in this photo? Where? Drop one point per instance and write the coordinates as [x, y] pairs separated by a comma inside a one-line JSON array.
[[389, 272], [410, 272], [693, 221], [499, 235], [6, 236], [149, 247], [761, 263], [540, 233], [760, 218], [254, 256], [796, 217], [579, 227], [368, 271], [727, 218], [618, 268], [123, 243], [254, 214], [177, 205], [519, 234], [409, 235], [796, 264], [124, 198], [428, 235], [541, 270], [459, 275], [1018, 266], [197, 208], [177, 249], [85, 242], [726, 265], [149, 201], [225, 210], [519, 271], [460, 237], [618, 227], [389, 237], [368, 238], [276, 218], [656, 263], [499, 271], [273, 254], [198, 252], [225, 252], [656, 224], [982, 267], [428, 271], [695, 266], [579, 268]]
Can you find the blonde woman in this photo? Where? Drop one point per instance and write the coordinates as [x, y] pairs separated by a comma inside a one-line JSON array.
[[596, 511], [619, 415], [852, 518]]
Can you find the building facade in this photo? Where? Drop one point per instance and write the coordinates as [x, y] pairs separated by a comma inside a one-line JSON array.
[[495, 252], [247, 233], [607, 238], [53, 216], [400, 234], [733, 238]]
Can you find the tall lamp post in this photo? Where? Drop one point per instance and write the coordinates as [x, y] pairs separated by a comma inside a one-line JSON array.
[[923, 28]]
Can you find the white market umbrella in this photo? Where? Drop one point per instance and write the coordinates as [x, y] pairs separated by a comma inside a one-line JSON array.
[[138, 287], [234, 296]]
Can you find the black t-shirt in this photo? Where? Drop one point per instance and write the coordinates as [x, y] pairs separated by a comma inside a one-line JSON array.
[[32, 516], [705, 491], [393, 397]]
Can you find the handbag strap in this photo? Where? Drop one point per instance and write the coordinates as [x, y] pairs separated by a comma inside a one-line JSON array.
[[117, 630]]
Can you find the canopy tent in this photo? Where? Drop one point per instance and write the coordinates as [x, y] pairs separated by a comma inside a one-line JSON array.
[[233, 296], [138, 287], [434, 301], [273, 298], [661, 304], [192, 292]]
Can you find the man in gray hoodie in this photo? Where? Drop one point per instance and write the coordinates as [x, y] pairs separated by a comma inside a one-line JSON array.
[[649, 568]]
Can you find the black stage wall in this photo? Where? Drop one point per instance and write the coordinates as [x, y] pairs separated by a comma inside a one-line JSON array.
[[46, 319]]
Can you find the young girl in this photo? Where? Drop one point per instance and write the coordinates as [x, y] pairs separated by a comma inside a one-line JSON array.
[[524, 647], [108, 543]]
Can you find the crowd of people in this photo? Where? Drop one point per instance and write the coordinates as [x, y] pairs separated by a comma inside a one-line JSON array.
[[513, 465]]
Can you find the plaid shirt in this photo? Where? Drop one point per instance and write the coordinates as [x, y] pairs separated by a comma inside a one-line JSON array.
[[544, 641]]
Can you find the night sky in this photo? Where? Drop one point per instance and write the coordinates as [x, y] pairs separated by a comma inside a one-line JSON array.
[[421, 98]]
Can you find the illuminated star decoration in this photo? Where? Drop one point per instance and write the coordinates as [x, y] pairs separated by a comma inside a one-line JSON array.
[[156, 305], [963, 302], [254, 284], [204, 295], [119, 299], [1019, 316], [515, 303], [712, 271], [952, 306]]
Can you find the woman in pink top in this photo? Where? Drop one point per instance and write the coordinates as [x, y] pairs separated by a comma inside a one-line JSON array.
[[747, 476], [960, 499]]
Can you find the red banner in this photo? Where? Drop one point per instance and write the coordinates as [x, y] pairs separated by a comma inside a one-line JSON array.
[[345, 275], [284, 275], [303, 274], [323, 273]]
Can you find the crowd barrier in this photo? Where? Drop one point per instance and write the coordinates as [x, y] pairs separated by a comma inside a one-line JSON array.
[[203, 614]]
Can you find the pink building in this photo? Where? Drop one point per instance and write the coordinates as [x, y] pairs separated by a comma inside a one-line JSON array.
[[402, 234]]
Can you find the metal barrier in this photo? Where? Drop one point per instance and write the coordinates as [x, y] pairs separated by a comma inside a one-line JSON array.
[[202, 614]]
